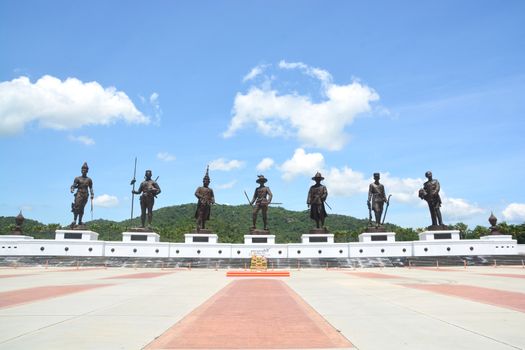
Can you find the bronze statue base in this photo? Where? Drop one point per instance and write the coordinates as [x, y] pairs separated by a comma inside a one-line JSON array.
[[318, 231], [438, 227], [82, 227], [373, 229], [202, 231], [140, 229], [255, 231]]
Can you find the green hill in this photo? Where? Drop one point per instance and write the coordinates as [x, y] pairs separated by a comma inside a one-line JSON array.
[[231, 223]]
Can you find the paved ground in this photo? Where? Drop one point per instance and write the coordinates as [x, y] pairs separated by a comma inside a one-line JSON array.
[[394, 308]]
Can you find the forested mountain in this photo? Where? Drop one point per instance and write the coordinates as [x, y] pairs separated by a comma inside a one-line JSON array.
[[231, 223]]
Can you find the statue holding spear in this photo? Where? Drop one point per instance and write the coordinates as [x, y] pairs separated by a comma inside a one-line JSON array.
[[149, 189]]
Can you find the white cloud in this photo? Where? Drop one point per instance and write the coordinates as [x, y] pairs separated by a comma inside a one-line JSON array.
[[514, 212], [225, 165], [265, 164], [105, 201], [345, 182], [166, 157], [403, 190], [254, 72], [226, 185], [318, 73], [457, 209], [154, 101], [314, 124], [86, 140], [302, 163], [62, 105]]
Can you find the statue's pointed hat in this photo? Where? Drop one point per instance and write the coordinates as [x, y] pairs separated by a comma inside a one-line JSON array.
[[207, 175]]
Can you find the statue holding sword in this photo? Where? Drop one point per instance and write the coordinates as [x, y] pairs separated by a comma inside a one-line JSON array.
[[316, 200], [262, 197]]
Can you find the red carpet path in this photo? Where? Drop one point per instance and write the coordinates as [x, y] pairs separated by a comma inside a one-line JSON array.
[[510, 300], [27, 295], [252, 314]]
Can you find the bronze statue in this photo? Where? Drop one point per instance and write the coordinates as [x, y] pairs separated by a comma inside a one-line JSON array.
[[430, 193], [149, 189], [19, 221], [83, 184], [494, 229], [206, 199], [316, 200], [262, 197], [376, 200]]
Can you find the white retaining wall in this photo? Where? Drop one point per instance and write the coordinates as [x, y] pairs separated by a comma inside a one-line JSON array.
[[41, 247]]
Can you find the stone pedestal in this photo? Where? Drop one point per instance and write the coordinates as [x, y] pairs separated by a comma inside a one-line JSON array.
[[439, 235], [496, 238], [140, 236], [77, 235], [317, 238], [200, 237], [259, 239], [377, 237]]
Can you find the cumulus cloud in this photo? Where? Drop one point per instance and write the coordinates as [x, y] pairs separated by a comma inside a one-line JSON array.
[[301, 163], [62, 105], [345, 182], [106, 201], [254, 72], [458, 208], [86, 140], [227, 185], [265, 164], [318, 73], [166, 157], [315, 124], [225, 165], [514, 212], [403, 190]]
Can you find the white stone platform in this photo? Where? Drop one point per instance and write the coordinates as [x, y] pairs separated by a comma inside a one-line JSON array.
[[377, 237], [150, 237], [259, 239], [14, 237], [497, 238], [439, 235], [317, 238], [80, 235], [210, 238]]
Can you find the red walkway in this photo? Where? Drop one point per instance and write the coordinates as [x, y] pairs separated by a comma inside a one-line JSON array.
[[252, 314]]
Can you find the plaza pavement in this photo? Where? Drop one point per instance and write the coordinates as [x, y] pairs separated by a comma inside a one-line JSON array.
[[390, 308]]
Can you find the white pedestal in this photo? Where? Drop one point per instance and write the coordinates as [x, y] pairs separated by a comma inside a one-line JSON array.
[[75, 235], [210, 238], [377, 237], [496, 238], [259, 239], [317, 238], [138, 237], [439, 235]]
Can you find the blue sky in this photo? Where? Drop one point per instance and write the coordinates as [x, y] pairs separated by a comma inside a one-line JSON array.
[[347, 88]]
